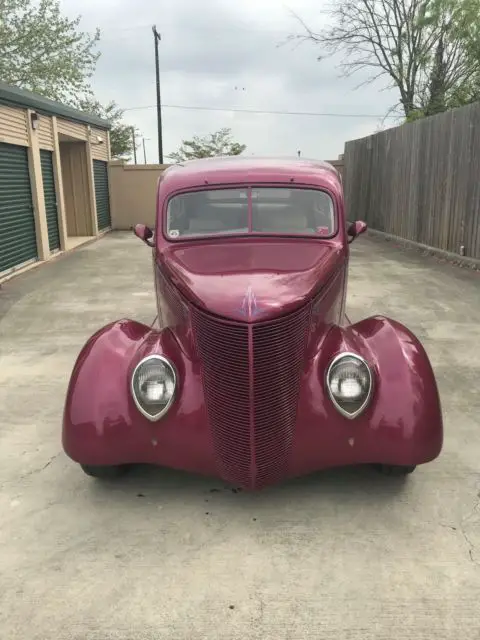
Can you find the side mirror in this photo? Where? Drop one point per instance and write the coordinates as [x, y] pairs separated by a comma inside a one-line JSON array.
[[144, 233], [356, 229]]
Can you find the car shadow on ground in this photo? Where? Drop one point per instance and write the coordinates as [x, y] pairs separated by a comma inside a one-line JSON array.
[[343, 485]]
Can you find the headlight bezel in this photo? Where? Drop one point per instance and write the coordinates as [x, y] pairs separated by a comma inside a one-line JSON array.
[[167, 363], [355, 356]]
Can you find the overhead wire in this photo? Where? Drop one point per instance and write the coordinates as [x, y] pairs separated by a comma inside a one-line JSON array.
[[263, 112]]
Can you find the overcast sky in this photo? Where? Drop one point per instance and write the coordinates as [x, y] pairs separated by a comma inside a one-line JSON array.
[[225, 54]]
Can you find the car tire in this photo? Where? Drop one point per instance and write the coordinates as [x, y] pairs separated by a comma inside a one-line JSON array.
[[105, 472], [395, 470]]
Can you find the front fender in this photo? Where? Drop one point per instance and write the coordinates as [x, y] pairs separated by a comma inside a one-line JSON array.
[[402, 424], [406, 406], [101, 424]]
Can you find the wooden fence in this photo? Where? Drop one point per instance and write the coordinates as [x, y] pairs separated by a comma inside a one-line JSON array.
[[420, 181]]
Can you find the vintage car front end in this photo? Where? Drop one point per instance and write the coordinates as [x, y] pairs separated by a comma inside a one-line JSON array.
[[253, 403], [256, 374]]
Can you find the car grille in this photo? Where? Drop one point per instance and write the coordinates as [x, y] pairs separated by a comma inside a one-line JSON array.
[[175, 311], [251, 377]]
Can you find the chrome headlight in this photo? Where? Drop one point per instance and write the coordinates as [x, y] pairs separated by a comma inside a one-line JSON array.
[[153, 386], [349, 384]]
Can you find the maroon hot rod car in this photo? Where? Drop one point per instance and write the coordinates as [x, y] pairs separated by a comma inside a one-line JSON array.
[[255, 373]]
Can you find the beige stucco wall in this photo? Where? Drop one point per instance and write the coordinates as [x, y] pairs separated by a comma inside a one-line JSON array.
[[133, 190]]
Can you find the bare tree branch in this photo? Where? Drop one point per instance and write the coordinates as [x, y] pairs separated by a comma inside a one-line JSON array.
[[430, 49]]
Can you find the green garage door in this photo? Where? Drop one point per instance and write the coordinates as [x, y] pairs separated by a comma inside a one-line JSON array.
[[100, 172], [50, 195], [18, 243]]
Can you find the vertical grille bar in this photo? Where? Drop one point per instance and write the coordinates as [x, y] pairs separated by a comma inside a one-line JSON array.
[[174, 310]]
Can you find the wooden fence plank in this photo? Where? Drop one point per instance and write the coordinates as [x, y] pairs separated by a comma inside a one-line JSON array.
[[472, 214], [420, 181]]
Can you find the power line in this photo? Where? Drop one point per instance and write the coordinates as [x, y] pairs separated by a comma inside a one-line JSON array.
[[258, 111], [205, 27]]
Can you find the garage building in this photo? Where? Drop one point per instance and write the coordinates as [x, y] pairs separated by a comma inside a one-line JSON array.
[[54, 191]]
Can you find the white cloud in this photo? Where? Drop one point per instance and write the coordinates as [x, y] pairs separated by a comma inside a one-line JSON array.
[[226, 54]]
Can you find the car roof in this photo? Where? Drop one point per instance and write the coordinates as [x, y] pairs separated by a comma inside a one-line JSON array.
[[241, 169]]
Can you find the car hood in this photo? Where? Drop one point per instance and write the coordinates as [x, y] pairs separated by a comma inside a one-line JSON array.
[[251, 281]]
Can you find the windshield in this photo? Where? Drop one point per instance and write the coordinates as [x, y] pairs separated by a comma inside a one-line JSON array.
[[271, 210]]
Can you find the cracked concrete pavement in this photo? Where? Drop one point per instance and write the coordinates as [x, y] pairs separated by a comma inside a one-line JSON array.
[[161, 554]]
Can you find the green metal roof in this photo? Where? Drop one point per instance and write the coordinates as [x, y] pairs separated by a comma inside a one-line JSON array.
[[16, 97]]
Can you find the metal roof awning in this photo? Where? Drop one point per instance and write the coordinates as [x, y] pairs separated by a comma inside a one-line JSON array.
[[13, 96]]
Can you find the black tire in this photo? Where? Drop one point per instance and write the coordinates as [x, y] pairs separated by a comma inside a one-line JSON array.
[[395, 470], [105, 472]]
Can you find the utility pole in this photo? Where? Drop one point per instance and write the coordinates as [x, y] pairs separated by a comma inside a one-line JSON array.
[[144, 152], [157, 38], [134, 145]]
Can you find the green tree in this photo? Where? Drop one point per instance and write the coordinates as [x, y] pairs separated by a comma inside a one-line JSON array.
[[455, 71], [429, 50], [44, 51], [121, 135], [219, 143]]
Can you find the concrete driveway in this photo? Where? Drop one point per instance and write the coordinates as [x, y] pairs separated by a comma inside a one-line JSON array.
[[343, 554]]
